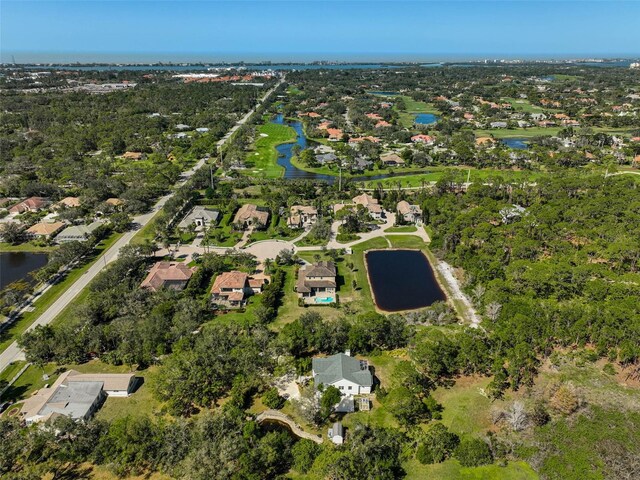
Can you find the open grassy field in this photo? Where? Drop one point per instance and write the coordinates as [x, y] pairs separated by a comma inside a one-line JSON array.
[[263, 160], [523, 105], [25, 247], [538, 131], [402, 229], [407, 117], [47, 298], [141, 402], [451, 469], [461, 175]]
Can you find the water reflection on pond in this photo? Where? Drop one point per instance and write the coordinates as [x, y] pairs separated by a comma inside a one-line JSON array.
[[402, 280], [16, 266]]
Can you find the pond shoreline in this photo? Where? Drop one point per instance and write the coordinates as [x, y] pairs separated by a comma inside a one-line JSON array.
[[431, 269]]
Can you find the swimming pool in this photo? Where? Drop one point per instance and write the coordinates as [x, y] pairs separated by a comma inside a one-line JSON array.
[[324, 300]]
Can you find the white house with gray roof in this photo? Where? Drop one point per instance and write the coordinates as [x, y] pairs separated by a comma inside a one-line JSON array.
[[348, 374], [77, 233], [200, 217]]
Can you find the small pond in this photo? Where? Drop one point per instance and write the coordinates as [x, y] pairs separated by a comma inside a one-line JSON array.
[[425, 118], [516, 143], [402, 280], [385, 94], [16, 266]]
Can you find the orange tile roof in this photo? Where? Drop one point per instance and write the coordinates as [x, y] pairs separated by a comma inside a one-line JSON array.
[[163, 272], [45, 228], [233, 279]]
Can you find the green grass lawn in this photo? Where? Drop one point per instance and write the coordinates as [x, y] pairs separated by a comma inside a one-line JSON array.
[[402, 229], [539, 131], [50, 296], [141, 402], [451, 469], [25, 247], [407, 116], [30, 381], [461, 173], [11, 371], [523, 105], [263, 160]]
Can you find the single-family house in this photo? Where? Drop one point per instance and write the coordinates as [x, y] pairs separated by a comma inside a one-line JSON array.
[[498, 124], [353, 141], [335, 134], [68, 202], [133, 155], [422, 138], [484, 141], [115, 203], [200, 217], [371, 204], [361, 164], [302, 216], [250, 215], [167, 275], [348, 374], [77, 233], [317, 283], [75, 395], [326, 158], [232, 289], [44, 229], [392, 160], [409, 213], [31, 204], [512, 213]]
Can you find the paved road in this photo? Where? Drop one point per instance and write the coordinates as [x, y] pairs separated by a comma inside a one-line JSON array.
[[13, 352]]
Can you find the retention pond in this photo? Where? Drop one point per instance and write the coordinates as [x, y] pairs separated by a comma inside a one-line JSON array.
[[402, 280]]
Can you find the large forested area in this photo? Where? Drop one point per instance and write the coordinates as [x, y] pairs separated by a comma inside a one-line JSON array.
[[66, 143], [545, 387]]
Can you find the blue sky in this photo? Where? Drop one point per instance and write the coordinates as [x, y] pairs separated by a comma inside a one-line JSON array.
[[120, 30]]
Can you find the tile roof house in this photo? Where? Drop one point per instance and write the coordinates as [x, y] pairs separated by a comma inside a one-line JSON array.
[[371, 204], [44, 229], [200, 217], [68, 202], [421, 138], [75, 395], [348, 374], [251, 215], [31, 204], [480, 141], [317, 283], [169, 275], [77, 233], [410, 213], [392, 160], [231, 289], [335, 134], [302, 216], [358, 140], [132, 155]]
